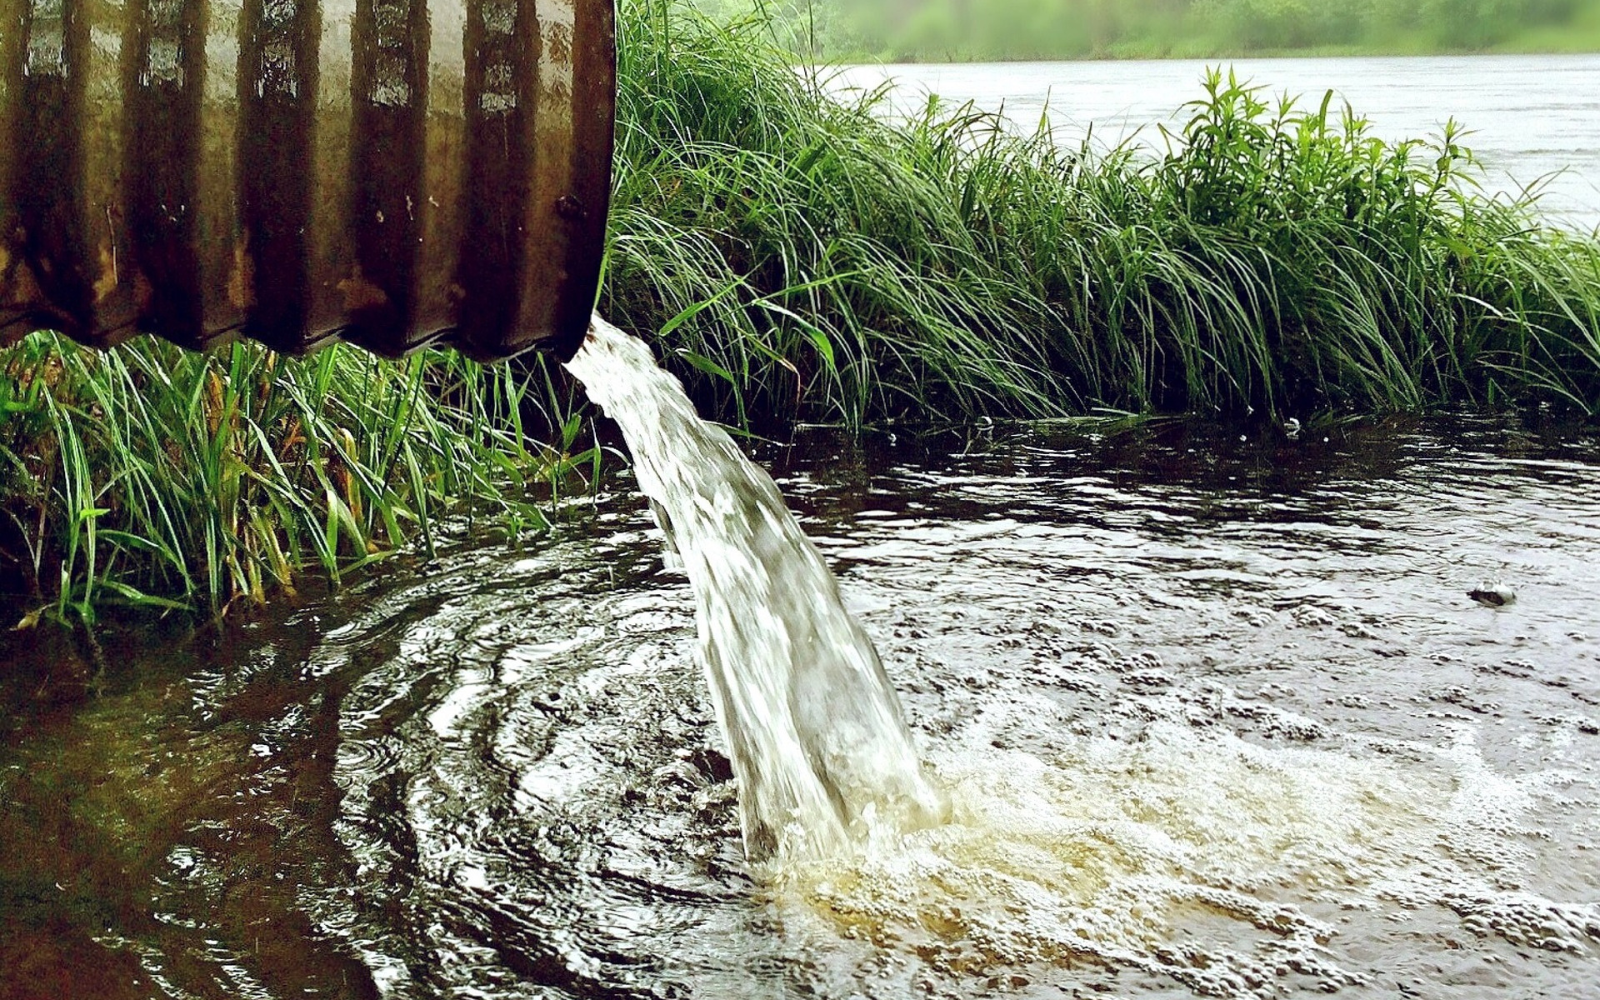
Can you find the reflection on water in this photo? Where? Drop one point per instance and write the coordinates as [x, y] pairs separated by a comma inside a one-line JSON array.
[[1217, 717]]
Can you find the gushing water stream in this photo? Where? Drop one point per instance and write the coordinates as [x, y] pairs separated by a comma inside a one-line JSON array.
[[817, 738]]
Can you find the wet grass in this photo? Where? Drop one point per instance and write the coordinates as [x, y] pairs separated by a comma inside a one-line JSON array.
[[803, 257], [158, 479]]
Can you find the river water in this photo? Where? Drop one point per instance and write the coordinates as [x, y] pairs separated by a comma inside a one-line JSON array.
[[1534, 118], [1213, 708]]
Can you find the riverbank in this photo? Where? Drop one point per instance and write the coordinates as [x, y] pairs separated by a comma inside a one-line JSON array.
[[1533, 120], [796, 258], [151, 478], [834, 31]]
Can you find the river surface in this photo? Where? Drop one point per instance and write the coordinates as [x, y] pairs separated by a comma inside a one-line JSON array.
[[1214, 708], [1533, 118]]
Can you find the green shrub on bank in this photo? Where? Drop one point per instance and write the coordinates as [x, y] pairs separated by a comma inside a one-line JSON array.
[[805, 257]]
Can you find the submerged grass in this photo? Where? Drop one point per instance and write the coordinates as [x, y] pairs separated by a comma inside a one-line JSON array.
[[802, 257]]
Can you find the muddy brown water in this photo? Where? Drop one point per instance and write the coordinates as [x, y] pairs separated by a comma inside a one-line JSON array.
[[1217, 712]]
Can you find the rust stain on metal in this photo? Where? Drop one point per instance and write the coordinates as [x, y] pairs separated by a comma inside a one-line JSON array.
[[359, 293], [108, 282], [242, 278]]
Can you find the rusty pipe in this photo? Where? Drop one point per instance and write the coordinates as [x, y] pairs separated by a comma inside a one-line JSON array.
[[391, 173]]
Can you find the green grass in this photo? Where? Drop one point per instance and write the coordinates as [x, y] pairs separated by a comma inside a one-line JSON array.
[[796, 258], [158, 479], [806, 259]]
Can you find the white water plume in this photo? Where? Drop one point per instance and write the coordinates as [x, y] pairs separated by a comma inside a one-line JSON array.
[[815, 731], [1189, 855]]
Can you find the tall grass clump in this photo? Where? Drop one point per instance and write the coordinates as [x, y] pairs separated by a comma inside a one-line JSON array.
[[804, 255], [789, 249], [151, 477]]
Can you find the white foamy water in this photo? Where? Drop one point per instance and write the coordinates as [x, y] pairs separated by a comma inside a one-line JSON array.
[[814, 729], [1193, 856]]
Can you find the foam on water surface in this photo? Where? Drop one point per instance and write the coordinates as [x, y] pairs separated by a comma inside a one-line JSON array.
[[1189, 854]]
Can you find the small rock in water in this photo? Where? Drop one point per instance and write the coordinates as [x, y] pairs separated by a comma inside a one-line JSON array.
[[1494, 596]]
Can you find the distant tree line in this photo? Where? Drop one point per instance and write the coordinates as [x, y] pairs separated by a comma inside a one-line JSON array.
[[1068, 29]]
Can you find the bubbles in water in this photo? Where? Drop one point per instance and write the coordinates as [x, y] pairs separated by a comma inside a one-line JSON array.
[[1185, 853]]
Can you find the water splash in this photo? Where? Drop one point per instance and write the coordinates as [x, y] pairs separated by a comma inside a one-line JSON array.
[[819, 745], [1189, 855]]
